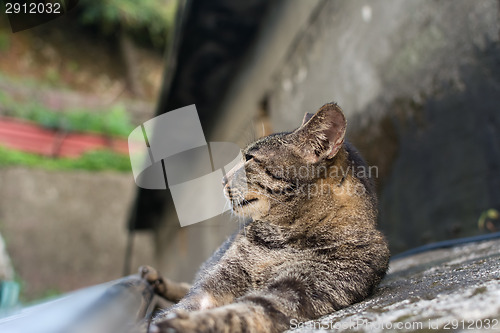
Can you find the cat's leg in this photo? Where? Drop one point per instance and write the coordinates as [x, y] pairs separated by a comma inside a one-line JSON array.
[[204, 295], [295, 296], [245, 316], [218, 287], [170, 290], [231, 318], [259, 312], [297, 293]]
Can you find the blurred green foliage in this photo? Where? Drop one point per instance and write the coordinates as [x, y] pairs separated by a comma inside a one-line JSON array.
[[114, 121], [155, 17], [97, 160]]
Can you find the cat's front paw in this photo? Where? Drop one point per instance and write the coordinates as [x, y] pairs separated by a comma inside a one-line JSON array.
[[185, 322], [154, 278]]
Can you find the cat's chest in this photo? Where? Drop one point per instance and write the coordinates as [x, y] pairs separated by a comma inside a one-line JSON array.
[[267, 237], [263, 255], [263, 263]]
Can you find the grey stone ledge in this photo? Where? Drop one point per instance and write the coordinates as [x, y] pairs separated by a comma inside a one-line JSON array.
[[453, 289]]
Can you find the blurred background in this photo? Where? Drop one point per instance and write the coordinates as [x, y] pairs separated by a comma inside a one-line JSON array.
[[71, 91], [419, 82]]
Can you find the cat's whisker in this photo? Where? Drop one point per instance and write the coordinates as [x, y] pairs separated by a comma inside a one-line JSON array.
[[241, 221], [225, 206]]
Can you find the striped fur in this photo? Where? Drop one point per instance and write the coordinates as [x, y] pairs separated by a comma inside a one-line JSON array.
[[310, 246]]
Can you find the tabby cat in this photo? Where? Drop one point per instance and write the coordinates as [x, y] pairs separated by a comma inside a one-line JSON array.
[[311, 246]]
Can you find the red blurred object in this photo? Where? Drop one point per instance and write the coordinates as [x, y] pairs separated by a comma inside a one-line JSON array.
[[26, 136]]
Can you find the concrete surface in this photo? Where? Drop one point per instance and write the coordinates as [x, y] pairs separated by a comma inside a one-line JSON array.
[[455, 289]]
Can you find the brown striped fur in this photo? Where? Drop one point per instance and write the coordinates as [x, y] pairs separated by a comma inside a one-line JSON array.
[[303, 253]]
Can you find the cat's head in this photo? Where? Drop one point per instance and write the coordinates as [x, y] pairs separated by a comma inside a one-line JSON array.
[[279, 172]]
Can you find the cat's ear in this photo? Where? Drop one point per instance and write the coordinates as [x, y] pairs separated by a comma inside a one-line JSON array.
[[321, 136]]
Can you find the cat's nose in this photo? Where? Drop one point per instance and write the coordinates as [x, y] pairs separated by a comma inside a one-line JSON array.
[[224, 181]]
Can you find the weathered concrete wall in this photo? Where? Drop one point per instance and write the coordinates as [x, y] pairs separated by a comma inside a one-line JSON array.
[[285, 20], [66, 230], [419, 82]]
